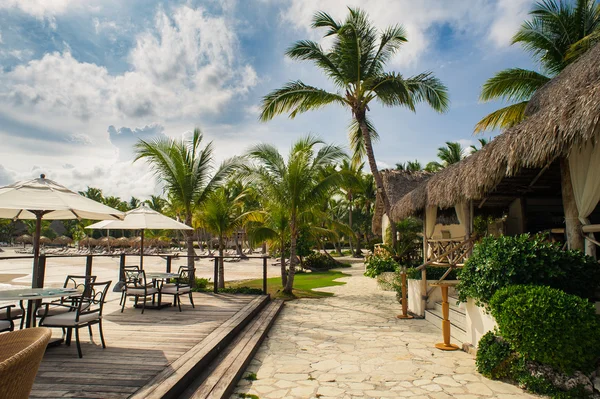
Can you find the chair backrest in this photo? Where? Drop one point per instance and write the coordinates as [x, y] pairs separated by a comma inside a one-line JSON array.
[[97, 297], [185, 273], [80, 283], [135, 278], [20, 357]]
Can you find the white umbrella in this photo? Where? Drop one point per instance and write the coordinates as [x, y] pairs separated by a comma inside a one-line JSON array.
[[45, 199], [141, 218]]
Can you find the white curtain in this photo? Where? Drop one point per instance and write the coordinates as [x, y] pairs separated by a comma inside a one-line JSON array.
[[430, 218], [462, 210], [584, 163]]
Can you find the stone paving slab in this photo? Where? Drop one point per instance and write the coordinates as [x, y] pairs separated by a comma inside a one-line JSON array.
[[352, 346]]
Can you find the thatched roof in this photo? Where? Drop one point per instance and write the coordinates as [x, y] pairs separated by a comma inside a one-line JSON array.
[[396, 183], [562, 114]]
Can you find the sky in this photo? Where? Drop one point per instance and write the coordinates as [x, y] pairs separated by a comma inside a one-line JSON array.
[[81, 81]]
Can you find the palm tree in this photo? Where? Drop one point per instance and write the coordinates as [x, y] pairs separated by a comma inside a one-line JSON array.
[[356, 65], [93, 194], [156, 203], [452, 153], [116, 203], [411, 166], [221, 215], [556, 35], [296, 183], [184, 168], [482, 143], [134, 203]]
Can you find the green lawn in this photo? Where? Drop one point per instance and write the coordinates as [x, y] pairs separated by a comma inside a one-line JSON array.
[[304, 283]]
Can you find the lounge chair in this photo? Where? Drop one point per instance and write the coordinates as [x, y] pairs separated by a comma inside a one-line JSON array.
[[86, 313], [20, 357]]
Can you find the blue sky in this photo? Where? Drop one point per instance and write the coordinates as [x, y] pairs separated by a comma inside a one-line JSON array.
[[82, 80]]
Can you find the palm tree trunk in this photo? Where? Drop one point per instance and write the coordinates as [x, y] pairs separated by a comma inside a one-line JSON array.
[[221, 265], [293, 237], [350, 222], [283, 271], [190, 242], [360, 118]]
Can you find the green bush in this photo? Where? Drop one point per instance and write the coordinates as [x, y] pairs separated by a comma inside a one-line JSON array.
[[548, 326], [377, 264], [433, 273], [493, 357], [201, 284], [319, 261], [498, 262]]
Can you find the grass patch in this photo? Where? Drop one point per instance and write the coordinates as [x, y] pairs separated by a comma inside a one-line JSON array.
[[247, 395], [251, 377], [304, 283]]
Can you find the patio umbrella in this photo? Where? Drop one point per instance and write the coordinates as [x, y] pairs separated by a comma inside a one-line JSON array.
[[43, 198], [141, 218], [62, 240], [25, 239], [45, 240]]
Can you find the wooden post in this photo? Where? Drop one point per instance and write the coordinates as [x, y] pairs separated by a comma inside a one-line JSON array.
[[42, 271], [446, 345], [216, 276], [88, 265], [121, 282], [404, 314], [265, 275], [572, 222], [425, 259], [169, 261]]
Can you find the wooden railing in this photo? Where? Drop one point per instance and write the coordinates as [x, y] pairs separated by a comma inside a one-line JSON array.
[[448, 251]]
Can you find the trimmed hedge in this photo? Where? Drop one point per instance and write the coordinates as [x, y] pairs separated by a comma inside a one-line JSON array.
[[548, 326], [494, 357], [498, 262]]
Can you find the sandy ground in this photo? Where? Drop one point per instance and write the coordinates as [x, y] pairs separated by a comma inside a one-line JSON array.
[[17, 272]]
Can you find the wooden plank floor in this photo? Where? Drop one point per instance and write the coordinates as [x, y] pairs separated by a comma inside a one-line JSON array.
[[138, 347]]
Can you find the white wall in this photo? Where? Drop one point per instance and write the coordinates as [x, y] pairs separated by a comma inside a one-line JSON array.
[[414, 296], [478, 322], [456, 230], [385, 223]]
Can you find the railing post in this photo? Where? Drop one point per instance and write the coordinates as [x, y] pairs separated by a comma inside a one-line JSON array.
[[121, 282], [423, 291], [41, 271], [88, 265], [216, 276], [265, 275], [169, 260]]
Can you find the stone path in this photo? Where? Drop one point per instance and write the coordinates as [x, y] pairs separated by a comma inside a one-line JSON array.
[[352, 346]]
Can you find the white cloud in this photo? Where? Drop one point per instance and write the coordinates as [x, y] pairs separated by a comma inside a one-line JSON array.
[[491, 20], [40, 8]]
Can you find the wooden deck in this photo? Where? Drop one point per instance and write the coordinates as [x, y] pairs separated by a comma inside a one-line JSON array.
[[139, 347]]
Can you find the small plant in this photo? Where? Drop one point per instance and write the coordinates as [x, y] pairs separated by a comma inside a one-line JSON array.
[[247, 396], [201, 284], [250, 377], [494, 357], [377, 264], [548, 326]]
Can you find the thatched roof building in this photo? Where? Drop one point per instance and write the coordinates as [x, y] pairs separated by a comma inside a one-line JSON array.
[[562, 114], [396, 183]]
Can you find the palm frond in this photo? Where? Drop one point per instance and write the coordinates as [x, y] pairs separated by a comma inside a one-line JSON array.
[[503, 118], [357, 144], [513, 84], [427, 88], [296, 97]]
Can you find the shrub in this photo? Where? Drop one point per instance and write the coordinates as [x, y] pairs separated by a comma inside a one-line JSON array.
[[493, 356], [433, 273], [201, 284], [377, 264], [548, 326], [319, 261], [508, 260]]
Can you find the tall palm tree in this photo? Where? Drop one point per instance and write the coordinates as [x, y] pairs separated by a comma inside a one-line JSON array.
[[93, 193], [351, 173], [184, 169], [355, 64], [156, 203], [116, 203], [482, 143], [221, 215], [452, 153], [296, 183], [411, 166], [556, 35]]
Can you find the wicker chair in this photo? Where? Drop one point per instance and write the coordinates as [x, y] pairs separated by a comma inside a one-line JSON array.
[[21, 353], [180, 287]]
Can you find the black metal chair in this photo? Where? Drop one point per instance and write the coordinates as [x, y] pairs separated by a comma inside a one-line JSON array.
[[7, 317], [137, 286], [135, 268], [180, 287], [80, 283], [85, 311]]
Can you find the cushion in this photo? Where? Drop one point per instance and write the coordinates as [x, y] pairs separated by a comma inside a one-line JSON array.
[[52, 310], [173, 289], [4, 325], [68, 319], [15, 313], [140, 291]]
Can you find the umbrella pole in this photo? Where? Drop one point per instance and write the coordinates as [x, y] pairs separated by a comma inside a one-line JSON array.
[[37, 281], [142, 250]]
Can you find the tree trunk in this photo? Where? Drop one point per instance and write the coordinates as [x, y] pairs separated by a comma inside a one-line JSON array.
[[190, 242], [358, 252], [572, 223], [360, 118], [350, 221], [283, 271], [338, 248], [293, 237], [221, 266]]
